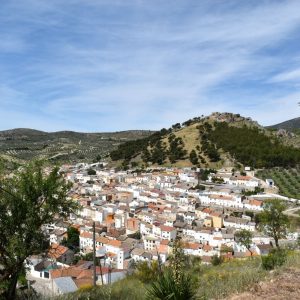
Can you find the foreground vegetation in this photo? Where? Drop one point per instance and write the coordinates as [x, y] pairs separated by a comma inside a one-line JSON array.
[[210, 282]]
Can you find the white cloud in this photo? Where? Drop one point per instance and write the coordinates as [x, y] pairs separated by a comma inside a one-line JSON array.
[[140, 63], [289, 76]]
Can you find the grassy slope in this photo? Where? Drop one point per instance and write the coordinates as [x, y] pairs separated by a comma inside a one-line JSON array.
[[191, 138], [211, 282]]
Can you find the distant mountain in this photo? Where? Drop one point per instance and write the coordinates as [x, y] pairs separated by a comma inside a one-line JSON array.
[[287, 125], [22, 144], [218, 140]]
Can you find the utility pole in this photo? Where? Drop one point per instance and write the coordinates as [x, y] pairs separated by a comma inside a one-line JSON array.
[[94, 254], [101, 271]]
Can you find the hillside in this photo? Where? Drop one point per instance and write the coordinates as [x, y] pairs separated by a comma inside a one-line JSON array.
[[232, 280], [221, 139], [287, 125], [66, 146]]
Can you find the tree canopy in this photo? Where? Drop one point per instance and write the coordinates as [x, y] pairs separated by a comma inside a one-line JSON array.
[[29, 199], [273, 221], [244, 237], [251, 146]]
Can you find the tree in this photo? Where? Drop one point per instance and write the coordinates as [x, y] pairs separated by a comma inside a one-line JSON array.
[[72, 241], [91, 172], [216, 260], [273, 221], [193, 157], [28, 200], [147, 272], [244, 237]]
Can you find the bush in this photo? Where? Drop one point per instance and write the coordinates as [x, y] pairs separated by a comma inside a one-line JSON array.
[[276, 258], [216, 260], [167, 287], [147, 272], [91, 172]]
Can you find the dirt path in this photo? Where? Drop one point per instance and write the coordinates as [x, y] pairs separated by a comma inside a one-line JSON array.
[[282, 287]]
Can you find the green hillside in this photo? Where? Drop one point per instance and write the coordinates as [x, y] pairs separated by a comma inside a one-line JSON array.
[[64, 146], [288, 125], [218, 140]]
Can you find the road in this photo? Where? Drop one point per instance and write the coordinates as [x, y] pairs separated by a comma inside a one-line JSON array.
[[292, 212]]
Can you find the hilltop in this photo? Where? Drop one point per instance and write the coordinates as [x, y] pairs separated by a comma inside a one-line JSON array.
[[218, 140], [24, 144]]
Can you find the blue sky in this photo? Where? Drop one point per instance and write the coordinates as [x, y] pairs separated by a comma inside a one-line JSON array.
[[106, 65]]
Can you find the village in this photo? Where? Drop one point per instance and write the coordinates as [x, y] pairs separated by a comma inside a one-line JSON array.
[[134, 216]]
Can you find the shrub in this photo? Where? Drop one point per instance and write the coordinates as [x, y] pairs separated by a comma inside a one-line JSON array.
[[216, 260], [91, 172], [276, 258], [167, 287]]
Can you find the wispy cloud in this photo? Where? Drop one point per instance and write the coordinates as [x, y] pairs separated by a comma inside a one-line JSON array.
[[113, 65], [289, 76]]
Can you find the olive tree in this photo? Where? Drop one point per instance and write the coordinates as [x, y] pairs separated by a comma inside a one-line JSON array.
[[244, 237], [29, 199], [273, 221]]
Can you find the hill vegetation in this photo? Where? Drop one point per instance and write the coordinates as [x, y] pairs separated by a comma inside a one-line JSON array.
[[211, 142], [64, 146], [288, 125], [287, 180]]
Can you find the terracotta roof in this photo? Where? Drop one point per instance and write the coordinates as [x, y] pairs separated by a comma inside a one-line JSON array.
[[193, 246], [207, 247], [214, 196], [244, 178], [57, 251], [102, 239], [255, 202], [65, 272], [164, 242], [114, 243], [86, 235], [167, 228]]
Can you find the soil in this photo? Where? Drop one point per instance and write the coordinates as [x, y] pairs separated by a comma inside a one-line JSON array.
[[281, 287]]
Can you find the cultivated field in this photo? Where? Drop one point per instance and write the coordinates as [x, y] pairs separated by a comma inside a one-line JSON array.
[[287, 180]]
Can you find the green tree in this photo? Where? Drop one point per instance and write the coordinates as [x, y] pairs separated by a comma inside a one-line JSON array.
[[194, 158], [72, 240], [28, 200], [146, 272], [273, 221], [91, 172], [244, 237], [216, 260]]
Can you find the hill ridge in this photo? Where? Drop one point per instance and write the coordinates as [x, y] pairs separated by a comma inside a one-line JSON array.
[[291, 124]]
